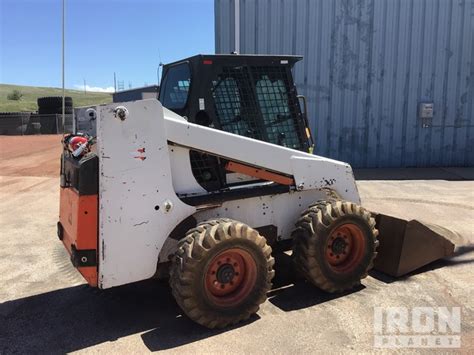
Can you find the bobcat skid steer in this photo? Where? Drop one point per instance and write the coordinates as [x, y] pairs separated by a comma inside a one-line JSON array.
[[202, 183]]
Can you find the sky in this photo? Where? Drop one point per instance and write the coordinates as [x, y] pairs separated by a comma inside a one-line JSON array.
[[128, 37]]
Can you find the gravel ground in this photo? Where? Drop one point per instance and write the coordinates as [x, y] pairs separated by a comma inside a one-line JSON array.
[[46, 307]]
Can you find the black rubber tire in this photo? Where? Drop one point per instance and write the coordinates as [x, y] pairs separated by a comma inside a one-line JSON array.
[[15, 114], [197, 250], [54, 101], [55, 111], [312, 231]]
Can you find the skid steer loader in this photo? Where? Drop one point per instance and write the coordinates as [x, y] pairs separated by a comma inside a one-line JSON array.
[[202, 183]]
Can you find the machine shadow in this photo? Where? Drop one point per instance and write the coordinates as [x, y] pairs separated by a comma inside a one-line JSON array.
[[291, 292], [78, 317]]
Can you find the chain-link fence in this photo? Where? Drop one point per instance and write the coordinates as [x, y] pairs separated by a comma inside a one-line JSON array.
[[26, 123]]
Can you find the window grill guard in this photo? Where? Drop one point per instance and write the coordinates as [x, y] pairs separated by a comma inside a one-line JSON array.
[[258, 102]]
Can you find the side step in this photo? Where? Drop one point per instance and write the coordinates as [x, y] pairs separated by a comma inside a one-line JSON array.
[[408, 245]]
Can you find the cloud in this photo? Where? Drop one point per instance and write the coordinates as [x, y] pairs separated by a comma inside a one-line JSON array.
[[94, 88]]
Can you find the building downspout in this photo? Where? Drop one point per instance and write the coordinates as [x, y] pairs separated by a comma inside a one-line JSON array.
[[237, 26]]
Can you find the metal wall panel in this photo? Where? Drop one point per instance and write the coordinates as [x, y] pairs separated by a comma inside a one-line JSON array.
[[367, 65]]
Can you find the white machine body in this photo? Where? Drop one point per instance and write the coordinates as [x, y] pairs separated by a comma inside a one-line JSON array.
[[145, 178]]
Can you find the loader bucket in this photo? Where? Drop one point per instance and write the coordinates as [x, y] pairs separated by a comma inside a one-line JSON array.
[[408, 245]]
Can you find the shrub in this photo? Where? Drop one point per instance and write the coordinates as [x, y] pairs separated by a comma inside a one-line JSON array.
[[15, 95]]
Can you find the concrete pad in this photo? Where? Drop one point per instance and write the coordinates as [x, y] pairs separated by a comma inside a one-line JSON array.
[[45, 305], [450, 174]]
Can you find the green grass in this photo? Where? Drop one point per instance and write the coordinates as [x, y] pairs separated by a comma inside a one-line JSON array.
[[31, 93]]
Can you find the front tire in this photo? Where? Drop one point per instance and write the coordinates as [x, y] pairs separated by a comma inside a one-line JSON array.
[[221, 273], [335, 244]]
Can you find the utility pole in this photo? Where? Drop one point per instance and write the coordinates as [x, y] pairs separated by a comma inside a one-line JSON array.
[[160, 65], [115, 83], [85, 90], [158, 72]]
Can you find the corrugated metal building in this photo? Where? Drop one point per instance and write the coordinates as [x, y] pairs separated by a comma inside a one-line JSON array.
[[146, 92], [368, 65]]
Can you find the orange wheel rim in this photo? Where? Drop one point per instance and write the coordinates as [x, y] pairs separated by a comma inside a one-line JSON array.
[[230, 277], [345, 248]]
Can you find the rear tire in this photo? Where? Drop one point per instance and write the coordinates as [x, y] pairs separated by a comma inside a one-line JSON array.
[[335, 244], [221, 273]]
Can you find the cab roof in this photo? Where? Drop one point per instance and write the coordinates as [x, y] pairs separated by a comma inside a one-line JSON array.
[[235, 59]]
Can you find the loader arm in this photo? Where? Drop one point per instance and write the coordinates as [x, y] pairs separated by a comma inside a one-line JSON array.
[[309, 172]]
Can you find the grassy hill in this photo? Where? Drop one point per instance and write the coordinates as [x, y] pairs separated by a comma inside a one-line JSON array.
[[31, 93]]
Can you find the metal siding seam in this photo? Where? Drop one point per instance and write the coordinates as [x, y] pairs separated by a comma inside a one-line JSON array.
[[281, 38], [388, 64], [269, 26], [367, 101], [403, 61], [375, 89], [406, 88], [420, 78], [438, 86], [363, 72], [355, 143], [293, 48], [458, 146], [231, 27], [341, 80], [412, 84], [317, 85], [394, 85], [331, 80], [428, 52], [430, 154], [452, 83], [217, 27], [381, 85], [445, 87], [306, 57], [469, 151], [321, 82]]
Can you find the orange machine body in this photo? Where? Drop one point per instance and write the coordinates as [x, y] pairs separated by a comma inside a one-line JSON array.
[[78, 230]]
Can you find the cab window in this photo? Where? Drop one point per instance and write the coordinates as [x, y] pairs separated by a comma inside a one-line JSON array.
[[175, 86]]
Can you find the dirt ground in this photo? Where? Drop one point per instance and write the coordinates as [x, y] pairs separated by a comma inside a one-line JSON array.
[[30, 155], [46, 307]]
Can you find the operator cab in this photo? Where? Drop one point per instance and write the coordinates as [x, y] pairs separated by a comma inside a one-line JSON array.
[[248, 95]]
